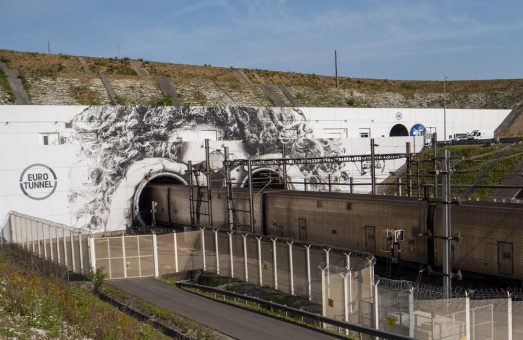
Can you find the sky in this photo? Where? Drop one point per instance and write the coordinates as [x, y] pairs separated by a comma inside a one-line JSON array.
[[388, 39]]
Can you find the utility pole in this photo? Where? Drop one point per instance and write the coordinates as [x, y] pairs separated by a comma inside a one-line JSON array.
[[228, 187], [435, 145], [209, 183], [336, 66], [191, 193], [284, 155], [48, 46], [409, 170], [446, 200], [251, 197], [372, 167], [118, 51], [445, 108]]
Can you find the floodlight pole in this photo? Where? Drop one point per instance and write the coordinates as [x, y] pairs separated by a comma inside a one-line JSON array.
[[372, 167], [446, 200], [208, 171], [336, 66], [445, 108]]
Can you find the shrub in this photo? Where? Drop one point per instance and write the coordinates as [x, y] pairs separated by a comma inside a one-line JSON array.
[[97, 277]]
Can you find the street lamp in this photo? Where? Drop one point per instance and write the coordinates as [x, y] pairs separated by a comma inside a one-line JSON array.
[[445, 108]]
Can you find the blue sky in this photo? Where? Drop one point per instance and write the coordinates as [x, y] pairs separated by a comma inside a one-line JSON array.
[[375, 39]]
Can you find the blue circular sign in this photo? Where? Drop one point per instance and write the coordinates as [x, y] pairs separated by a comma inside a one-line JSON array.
[[417, 130]]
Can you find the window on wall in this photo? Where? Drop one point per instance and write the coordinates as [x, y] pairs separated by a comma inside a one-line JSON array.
[[49, 139], [505, 258], [365, 133], [335, 133], [209, 134]]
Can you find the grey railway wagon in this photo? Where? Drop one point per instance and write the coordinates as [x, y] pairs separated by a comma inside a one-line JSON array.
[[492, 233]]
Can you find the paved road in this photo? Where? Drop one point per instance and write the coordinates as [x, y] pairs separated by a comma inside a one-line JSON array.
[[229, 320]]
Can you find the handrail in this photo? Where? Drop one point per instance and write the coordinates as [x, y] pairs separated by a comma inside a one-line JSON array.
[[319, 318]]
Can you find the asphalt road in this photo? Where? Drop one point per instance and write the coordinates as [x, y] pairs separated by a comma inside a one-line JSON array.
[[232, 321]]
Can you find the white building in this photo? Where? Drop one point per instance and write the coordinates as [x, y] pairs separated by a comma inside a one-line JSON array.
[[73, 164]]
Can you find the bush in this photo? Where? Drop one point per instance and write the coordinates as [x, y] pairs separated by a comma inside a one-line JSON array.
[[97, 277]]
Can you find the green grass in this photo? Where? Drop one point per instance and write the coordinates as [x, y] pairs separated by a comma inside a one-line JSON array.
[[477, 158], [4, 84], [85, 95], [31, 302], [26, 84], [161, 101]]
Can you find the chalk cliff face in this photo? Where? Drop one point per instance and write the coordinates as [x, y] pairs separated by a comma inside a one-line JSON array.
[[112, 139], [62, 80]]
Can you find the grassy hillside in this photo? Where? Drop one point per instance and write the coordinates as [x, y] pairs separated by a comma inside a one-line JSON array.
[[207, 85], [476, 159], [33, 306]]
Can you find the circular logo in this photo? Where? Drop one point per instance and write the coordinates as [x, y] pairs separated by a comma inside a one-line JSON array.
[[399, 116], [417, 130], [38, 181]]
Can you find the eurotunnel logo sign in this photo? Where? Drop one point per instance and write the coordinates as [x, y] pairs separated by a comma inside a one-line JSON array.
[[38, 181]]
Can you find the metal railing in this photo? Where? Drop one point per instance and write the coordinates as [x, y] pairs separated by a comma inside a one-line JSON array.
[[316, 318]]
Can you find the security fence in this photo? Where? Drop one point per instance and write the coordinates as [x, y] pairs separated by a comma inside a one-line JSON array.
[[51, 247], [341, 281]]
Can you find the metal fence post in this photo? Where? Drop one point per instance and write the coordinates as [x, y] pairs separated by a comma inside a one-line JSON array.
[[80, 249], [44, 241], [92, 254], [467, 315], [155, 256], [51, 250], [26, 236], [231, 258], [376, 307], [202, 235], [175, 243], [260, 271], [345, 301], [65, 248], [38, 241], [411, 313], [291, 267], [58, 257], [275, 263], [308, 270], [109, 255], [323, 293], [246, 269], [216, 251], [32, 236], [12, 226], [327, 261], [509, 316], [73, 267], [124, 258]]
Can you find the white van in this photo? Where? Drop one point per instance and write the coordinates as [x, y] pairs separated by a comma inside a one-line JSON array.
[[481, 135]]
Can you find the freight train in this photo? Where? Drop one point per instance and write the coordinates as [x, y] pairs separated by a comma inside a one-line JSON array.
[[491, 233]]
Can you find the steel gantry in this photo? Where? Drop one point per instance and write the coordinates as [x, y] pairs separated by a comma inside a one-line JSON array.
[[316, 160], [284, 162]]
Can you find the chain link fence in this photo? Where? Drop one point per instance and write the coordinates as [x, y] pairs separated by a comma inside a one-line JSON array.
[[342, 281]]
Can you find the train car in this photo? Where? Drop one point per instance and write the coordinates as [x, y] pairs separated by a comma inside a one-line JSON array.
[[491, 233]]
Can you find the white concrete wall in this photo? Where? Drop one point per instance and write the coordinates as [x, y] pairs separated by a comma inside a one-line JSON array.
[[21, 145]]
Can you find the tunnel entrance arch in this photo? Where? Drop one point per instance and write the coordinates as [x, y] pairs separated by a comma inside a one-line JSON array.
[[264, 178], [399, 130], [141, 205]]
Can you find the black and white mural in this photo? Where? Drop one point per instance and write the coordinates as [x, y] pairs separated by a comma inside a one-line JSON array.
[[119, 146]]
